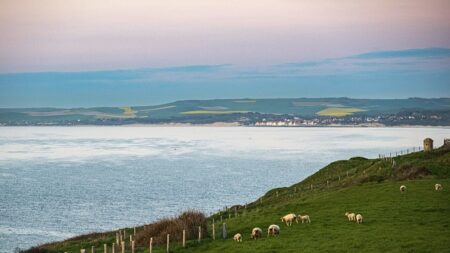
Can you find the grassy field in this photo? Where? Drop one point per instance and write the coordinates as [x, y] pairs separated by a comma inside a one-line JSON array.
[[415, 221], [211, 112], [338, 111]]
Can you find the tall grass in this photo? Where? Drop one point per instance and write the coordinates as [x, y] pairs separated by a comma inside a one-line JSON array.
[[189, 221]]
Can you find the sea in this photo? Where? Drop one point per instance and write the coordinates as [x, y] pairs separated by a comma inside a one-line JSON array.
[[58, 182]]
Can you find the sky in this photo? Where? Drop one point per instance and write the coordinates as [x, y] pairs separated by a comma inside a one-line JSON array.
[[114, 53]]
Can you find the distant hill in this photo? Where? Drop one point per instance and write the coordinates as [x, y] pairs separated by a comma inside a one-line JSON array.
[[416, 111]]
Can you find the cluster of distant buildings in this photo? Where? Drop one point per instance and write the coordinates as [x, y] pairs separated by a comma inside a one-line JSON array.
[[288, 122]]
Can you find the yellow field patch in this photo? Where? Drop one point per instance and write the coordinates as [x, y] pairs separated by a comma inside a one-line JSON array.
[[211, 112], [339, 111], [128, 112]]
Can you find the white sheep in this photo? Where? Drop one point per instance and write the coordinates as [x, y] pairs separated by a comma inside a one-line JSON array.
[[237, 237], [273, 230], [304, 218], [438, 187], [402, 188], [359, 218], [256, 233], [289, 218], [350, 216]]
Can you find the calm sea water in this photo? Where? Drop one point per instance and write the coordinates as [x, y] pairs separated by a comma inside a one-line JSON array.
[[57, 182]]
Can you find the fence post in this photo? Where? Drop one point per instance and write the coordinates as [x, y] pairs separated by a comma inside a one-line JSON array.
[[113, 248], [132, 246], [105, 248], [150, 247], [327, 183], [92, 249], [134, 231], [235, 212], [184, 238], [168, 243], [117, 237], [224, 231], [199, 233], [82, 250], [124, 234], [123, 246], [311, 186], [277, 194], [220, 218], [131, 238], [214, 231]]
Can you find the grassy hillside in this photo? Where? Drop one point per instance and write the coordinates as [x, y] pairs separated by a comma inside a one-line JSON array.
[[415, 221]]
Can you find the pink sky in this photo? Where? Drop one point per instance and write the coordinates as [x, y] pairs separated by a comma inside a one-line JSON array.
[[92, 35]]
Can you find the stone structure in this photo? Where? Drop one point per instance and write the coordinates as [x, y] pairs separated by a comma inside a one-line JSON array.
[[428, 144], [447, 142]]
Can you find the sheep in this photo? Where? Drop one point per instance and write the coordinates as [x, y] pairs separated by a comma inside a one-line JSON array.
[[350, 216], [438, 187], [256, 233], [273, 230], [304, 218], [289, 218], [359, 218], [402, 188], [237, 237]]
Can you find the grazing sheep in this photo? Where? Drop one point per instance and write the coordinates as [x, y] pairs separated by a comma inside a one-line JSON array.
[[438, 187], [273, 230], [350, 216], [359, 218], [256, 233], [237, 237], [402, 188], [289, 218], [304, 218]]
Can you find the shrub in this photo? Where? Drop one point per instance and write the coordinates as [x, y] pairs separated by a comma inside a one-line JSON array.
[[410, 172], [189, 220]]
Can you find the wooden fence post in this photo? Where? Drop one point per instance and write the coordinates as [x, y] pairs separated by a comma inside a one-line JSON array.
[[82, 251], [113, 248], [123, 246], [132, 246], [117, 238], [134, 231], [277, 194], [105, 248], [92, 249], [168, 243], [184, 238], [199, 233], [150, 247], [224, 231], [214, 231]]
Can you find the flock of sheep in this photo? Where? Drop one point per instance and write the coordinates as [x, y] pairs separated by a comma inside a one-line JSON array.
[[274, 230]]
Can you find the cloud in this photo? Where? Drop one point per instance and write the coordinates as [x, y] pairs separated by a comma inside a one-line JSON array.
[[408, 53]]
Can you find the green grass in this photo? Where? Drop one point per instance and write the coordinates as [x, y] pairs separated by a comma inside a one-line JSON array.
[[415, 221]]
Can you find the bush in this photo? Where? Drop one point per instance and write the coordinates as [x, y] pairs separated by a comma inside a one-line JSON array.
[[189, 220], [410, 172]]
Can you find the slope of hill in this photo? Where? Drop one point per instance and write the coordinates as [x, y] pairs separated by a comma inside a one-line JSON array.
[[414, 221], [233, 110]]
